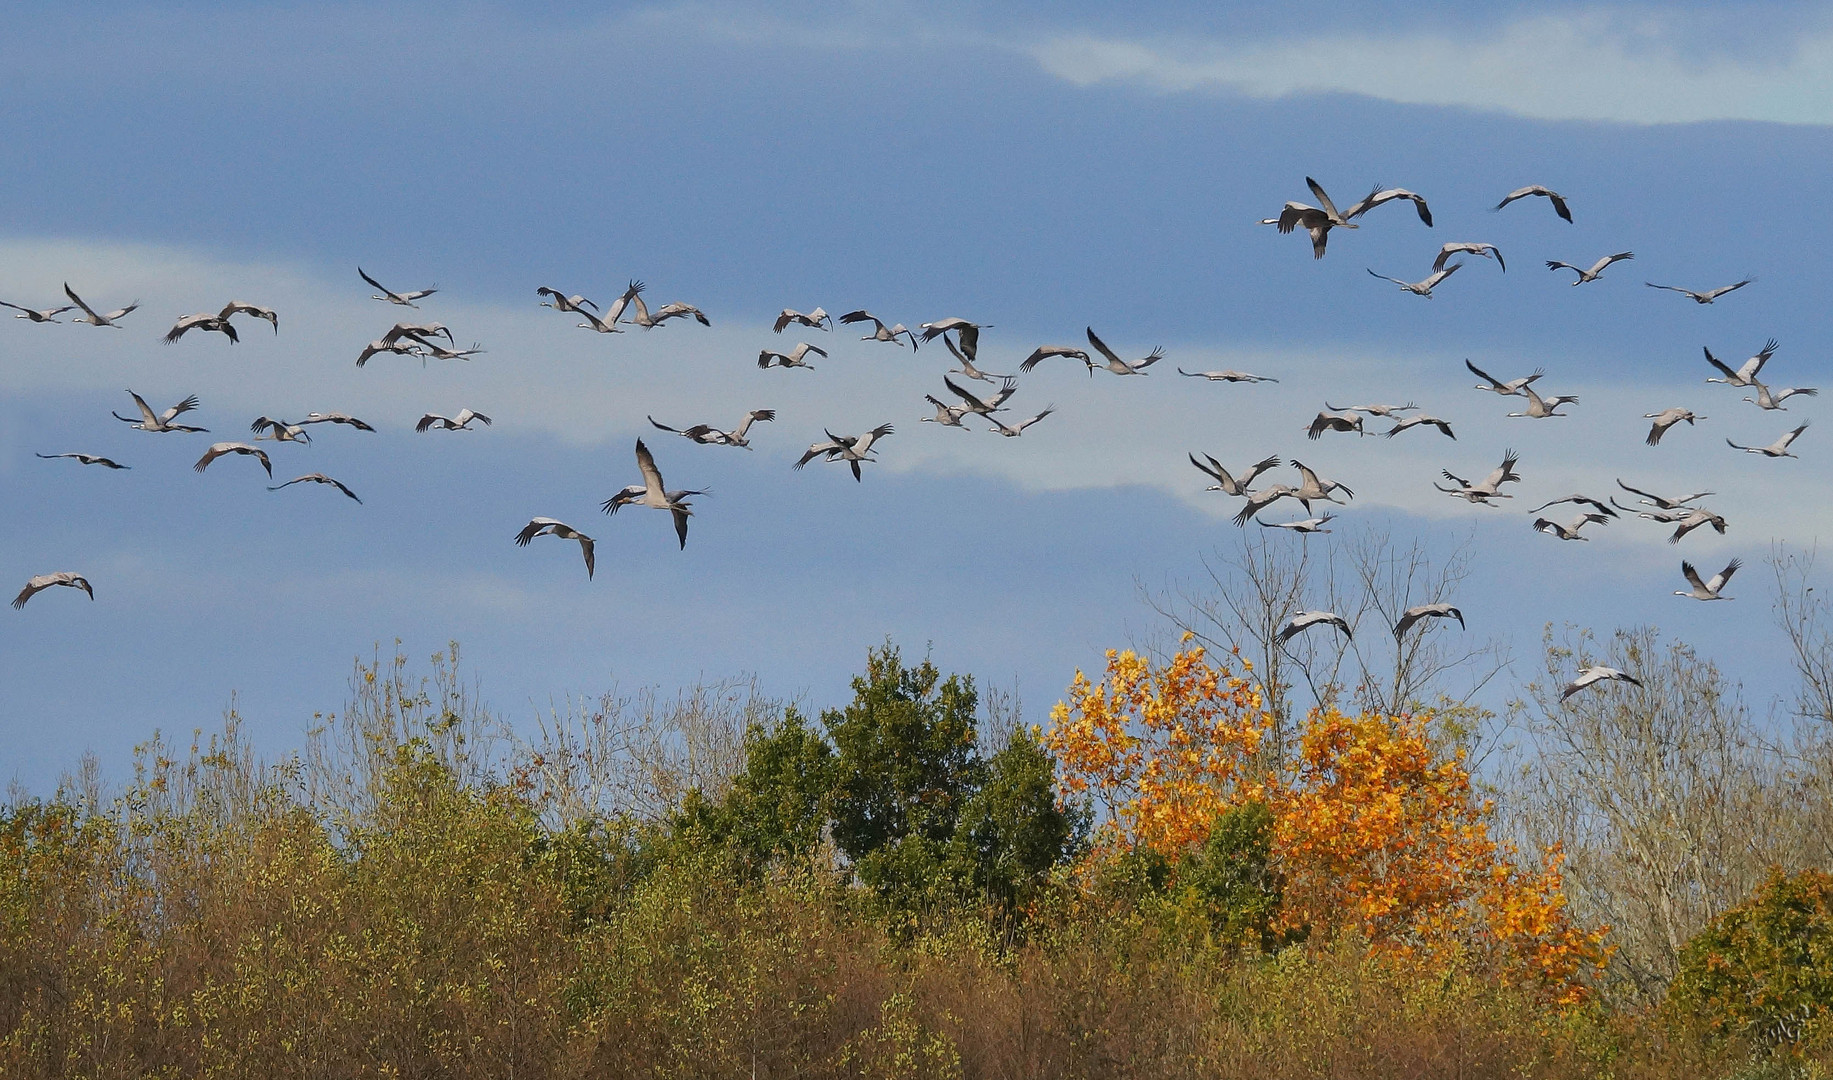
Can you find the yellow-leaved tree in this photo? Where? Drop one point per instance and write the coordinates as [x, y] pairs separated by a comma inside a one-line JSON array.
[[1375, 828]]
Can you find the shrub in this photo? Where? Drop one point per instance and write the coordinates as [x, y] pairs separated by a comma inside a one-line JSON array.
[[1762, 972]]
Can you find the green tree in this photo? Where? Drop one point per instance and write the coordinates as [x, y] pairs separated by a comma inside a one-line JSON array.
[[1012, 831], [1763, 970], [1230, 880], [777, 805], [904, 769]]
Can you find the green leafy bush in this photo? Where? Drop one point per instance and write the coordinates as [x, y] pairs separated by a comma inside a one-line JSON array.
[[1763, 971]]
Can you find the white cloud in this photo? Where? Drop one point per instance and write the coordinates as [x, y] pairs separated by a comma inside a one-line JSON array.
[[1549, 68]]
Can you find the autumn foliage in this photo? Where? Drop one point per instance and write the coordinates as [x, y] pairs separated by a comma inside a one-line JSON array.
[[1376, 832]]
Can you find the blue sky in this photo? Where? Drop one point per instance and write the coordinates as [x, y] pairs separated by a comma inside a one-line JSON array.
[[1036, 167]]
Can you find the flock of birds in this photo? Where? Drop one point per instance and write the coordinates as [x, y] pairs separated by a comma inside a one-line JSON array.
[[957, 405]]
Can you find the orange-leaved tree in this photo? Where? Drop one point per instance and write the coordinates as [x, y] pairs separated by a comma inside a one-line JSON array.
[[1162, 750], [1376, 831]]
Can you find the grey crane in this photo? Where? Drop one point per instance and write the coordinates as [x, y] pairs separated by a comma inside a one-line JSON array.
[[559, 301], [39, 315], [282, 431], [1707, 590], [1667, 418], [1694, 520], [1315, 220], [217, 450], [1121, 367], [967, 333], [1554, 197], [967, 368], [1379, 195], [677, 310], [1412, 616], [40, 583], [1305, 620], [1512, 388], [1596, 673], [710, 436], [793, 358], [1377, 409], [1581, 500], [1596, 268], [1543, 408], [1486, 251], [1230, 485], [318, 478], [1311, 487], [242, 307], [1260, 500], [461, 422], [851, 449], [814, 319], [1228, 376], [1305, 527], [1651, 499], [947, 415], [404, 299], [653, 493], [1491, 486], [1422, 288], [1702, 297], [983, 406], [1772, 399], [90, 315], [1746, 374], [1329, 421], [546, 526], [1777, 449], [895, 334], [149, 421], [1045, 352], [1013, 431], [88, 459], [1569, 531], [336, 418], [206, 322], [1403, 423]]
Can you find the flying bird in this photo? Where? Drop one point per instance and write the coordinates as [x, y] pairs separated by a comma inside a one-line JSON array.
[[1411, 616], [947, 415], [654, 494], [39, 315], [1746, 374], [405, 299], [89, 314], [559, 301], [1512, 388], [1381, 195], [967, 333], [1377, 409], [1581, 500], [967, 368], [1327, 421], [709, 436], [1121, 367], [1260, 500], [461, 422], [36, 585], [1597, 268], [813, 319], [1541, 409], [317, 478], [1593, 675], [1773, 399], [1707, 590], [405, 339], [1306, 527], [1317, 221], [792, 358], [1694, 520], [206, 322], [217, 450], [1045, 352], [1402, 423], [1422, 288], [851, 449], [545, 526], [1570, 531], [240, 307], [1013, 431], [1310, 487], [88, 459], [1230, 485], [1651, 499], [149, 421], [677, 310], [983, 406], [880, 332], [1229, 376], [1491, 486], [1558, 200], [1701, 297], [1487, 251], [281, 430], [336, 418], [440, 352], [1777, 449], [1305, 620], [1665, 419]]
